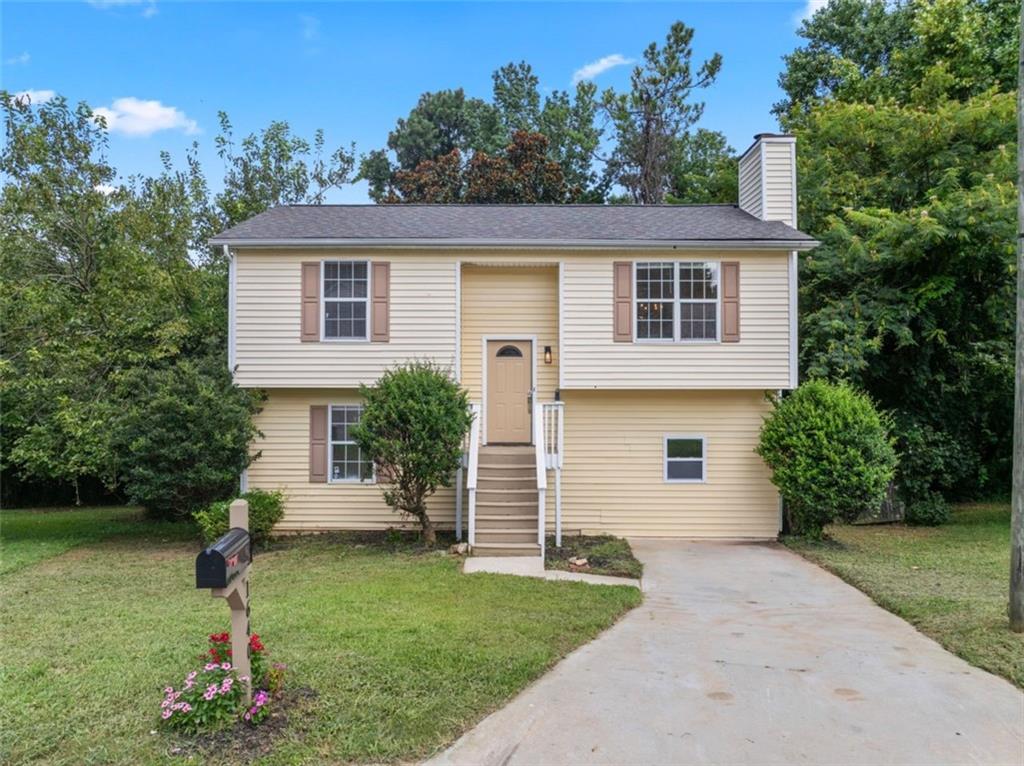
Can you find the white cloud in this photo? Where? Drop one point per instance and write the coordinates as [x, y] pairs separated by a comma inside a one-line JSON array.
[[810, 8], [20, 60], [34, 96], [594, 68], [310, 26], [135, 117], [149, 11]]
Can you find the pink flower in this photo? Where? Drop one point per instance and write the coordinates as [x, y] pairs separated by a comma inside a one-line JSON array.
[[192, 675], [189, 684], [168, 690], [165, 703], [186, 708], [225, 666], [211, 666], [166, 714], [248, 716]]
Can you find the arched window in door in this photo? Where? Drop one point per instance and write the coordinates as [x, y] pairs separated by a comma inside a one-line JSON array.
[[509, 351]]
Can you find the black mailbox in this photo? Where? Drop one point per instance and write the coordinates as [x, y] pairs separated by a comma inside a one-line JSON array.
[[219, 564]]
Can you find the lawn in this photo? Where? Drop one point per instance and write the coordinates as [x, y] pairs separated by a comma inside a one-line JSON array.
[[951, 582], [605, 555], [404, 653]]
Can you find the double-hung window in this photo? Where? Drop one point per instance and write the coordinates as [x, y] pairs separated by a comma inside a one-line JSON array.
[[346, 459], [345, 302], [677, 301], [685, 459]]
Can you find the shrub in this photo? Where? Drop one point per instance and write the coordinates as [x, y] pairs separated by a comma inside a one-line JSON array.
[[265, 510], [829, 452], [413, 425], [929, 511], [184, 438], [931, 461]]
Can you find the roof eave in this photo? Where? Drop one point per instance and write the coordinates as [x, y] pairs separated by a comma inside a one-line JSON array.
[[549, 244]]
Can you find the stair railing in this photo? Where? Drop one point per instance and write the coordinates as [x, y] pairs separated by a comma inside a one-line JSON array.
[[554, 438], [540, 450], [472, 468]]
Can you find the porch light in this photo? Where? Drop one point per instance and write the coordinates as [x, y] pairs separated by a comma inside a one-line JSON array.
[[547, 355]]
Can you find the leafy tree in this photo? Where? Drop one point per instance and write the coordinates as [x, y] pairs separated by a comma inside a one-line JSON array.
[[517, 98], [830, 454], [705, 169], [654, 113], [414, 422], [570, 127]]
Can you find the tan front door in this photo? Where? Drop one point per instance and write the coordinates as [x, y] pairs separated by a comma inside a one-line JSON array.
[[509, 375]]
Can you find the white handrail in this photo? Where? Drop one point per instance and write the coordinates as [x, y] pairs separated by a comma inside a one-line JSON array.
[[554, 438], [540, 451], [472, 469]]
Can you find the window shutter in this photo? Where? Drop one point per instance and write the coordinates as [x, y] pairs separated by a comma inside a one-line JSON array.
[[310, 330], [730, 302], [622, 317], [380, 310], [318, 443]]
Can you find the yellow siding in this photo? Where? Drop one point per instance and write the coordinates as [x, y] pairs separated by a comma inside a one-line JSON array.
[[613, 478], [780, 177], [284, 464], [750, 182], [269, 353], [590, 358], [513, 302]]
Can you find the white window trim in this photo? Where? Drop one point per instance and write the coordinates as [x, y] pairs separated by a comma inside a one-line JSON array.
[[323, 300], [331, 443], [703, 460], [677, 314]]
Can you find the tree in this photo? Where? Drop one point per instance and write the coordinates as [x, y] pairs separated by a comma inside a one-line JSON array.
[[705, 169], [830, 454], [413, 426], [657, 110], [1017, 511]]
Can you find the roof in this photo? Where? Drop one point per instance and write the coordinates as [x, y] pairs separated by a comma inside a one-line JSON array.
[[512, 226]]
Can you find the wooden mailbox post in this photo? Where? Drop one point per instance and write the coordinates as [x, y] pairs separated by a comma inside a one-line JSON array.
[[224, 568]]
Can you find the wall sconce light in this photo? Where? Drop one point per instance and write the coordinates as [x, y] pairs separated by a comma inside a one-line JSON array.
[[547, 355]]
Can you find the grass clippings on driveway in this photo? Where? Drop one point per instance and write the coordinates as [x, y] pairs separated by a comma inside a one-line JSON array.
[[605, 555], [403, 652], [951, 582]]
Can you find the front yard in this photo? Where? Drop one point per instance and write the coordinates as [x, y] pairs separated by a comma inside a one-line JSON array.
[[99, 612], [951, 582]]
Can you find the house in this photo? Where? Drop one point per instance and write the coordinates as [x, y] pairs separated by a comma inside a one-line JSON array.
[[617, 356]]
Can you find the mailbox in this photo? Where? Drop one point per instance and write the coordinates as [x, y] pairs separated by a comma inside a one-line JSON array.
[[223, 561]]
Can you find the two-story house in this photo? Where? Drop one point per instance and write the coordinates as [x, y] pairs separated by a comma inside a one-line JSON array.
[[617, 356]]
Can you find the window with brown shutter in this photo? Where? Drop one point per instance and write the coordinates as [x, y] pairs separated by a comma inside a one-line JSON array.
[[622, 302], [380, 312], [318, 443], [730, 301], [310, 290]]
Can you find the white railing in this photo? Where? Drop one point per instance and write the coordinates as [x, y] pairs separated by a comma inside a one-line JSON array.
[[554, 438], [540, 450], [472, 458]]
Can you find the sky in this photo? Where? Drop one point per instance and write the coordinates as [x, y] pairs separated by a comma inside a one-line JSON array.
[[159, 70]]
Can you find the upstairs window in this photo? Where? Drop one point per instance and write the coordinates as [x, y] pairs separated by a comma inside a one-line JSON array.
[[684, 459], [677, 301], [345, 303]]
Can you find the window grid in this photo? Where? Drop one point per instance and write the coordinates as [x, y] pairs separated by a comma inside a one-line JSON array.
[[685, 459], [346, 459], [677, 301], [346, 289]]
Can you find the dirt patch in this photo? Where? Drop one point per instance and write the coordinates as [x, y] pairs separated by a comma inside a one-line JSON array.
[[243, 743]]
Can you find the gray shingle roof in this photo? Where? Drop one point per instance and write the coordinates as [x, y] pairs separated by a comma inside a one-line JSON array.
[[496, 225]]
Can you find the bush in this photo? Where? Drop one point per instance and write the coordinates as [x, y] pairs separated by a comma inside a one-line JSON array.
[[931, 461], [265, 510], [830, 454], [413, 425], [929, 511], [185, 438]]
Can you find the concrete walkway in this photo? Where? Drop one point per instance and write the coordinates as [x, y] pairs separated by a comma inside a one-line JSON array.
[[747, 654]]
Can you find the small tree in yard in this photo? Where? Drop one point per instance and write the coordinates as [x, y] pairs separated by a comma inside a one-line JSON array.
[[413, 425], [830, 454]]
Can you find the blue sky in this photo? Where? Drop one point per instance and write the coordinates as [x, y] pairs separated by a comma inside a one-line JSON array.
[[161, 70]]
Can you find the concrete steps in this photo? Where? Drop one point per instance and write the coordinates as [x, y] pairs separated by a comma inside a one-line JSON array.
[[506, 502]]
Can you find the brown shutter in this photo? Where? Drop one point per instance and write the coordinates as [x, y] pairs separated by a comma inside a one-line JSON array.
[[310, 330], [730, 302], [318, 443], [622, 317], [380, 314]]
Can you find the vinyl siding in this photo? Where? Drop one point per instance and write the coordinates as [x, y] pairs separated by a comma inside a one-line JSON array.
[[760, 360], [612, 480], [516, 303], [269, 353], [780, 177], [750, 182], [284, 464]]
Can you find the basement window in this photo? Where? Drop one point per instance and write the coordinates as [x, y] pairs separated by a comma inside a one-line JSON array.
[[685, 459]]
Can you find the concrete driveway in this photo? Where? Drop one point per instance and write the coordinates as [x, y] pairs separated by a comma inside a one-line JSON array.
[[747, 654]]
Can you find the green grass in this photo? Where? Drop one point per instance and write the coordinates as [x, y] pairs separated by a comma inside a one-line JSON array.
[[605, 555], [951, 582], [404, 651]]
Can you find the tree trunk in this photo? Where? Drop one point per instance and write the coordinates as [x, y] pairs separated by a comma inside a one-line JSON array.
[[78, 497], [1017, 514], [429, 535]]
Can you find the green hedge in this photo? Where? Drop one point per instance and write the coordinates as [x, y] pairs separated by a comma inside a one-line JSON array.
[[265, 510]]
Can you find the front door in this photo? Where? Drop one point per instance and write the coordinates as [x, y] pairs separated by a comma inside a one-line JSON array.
[[509, 373]]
